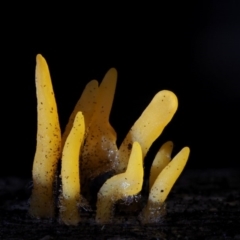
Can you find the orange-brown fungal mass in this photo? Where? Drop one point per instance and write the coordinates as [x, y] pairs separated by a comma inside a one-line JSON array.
[[86, 104], [100, 149]]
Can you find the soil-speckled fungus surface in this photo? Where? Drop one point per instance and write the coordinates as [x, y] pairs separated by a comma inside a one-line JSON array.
[[48, 144], [70, 198], [122, 185], [88, 150]]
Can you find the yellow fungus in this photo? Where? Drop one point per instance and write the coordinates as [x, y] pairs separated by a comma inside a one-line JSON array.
[[120, 186], [86, 104], [152, 212], [90, 141], [48, 144], [100, 150], [161, 160], [70, 173], [149, 125]]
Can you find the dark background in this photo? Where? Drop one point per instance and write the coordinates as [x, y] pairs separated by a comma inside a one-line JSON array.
[[192, 50]]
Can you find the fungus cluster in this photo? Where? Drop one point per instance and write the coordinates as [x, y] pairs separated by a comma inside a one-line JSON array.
[[87, 149]]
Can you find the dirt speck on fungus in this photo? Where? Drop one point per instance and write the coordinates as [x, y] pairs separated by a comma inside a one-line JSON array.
[[203, 204]]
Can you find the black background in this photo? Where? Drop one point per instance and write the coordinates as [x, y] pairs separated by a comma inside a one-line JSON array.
[[192, 50]]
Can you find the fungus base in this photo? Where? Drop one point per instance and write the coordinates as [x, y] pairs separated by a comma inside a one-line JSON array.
[[203, 204]]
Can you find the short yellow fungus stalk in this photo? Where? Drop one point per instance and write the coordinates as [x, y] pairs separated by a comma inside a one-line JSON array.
[[152, 212], [149, 125], [161, 160], [70, 174], [48, 144], [120, 186], [100, 149]]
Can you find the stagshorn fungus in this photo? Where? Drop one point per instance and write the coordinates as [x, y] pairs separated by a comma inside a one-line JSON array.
[[87, 149]]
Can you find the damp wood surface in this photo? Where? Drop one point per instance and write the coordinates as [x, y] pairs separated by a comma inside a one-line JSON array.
[[203, 204]]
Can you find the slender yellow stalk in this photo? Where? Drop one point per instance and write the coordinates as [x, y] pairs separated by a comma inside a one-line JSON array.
[[48, 144], [70, 174]]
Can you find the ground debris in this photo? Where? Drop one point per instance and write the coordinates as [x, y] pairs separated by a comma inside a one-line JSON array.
[[203, 204]]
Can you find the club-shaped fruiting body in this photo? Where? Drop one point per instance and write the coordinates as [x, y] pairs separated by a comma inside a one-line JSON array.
[[48, 144], [70, 198], [88, 149]]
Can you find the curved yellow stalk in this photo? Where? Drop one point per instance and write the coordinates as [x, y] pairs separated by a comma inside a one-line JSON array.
[[86, 104], [48, 144], [70, 173], [161, 160], [152, 213], [100, 150], [120, 186], [149, 125]]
